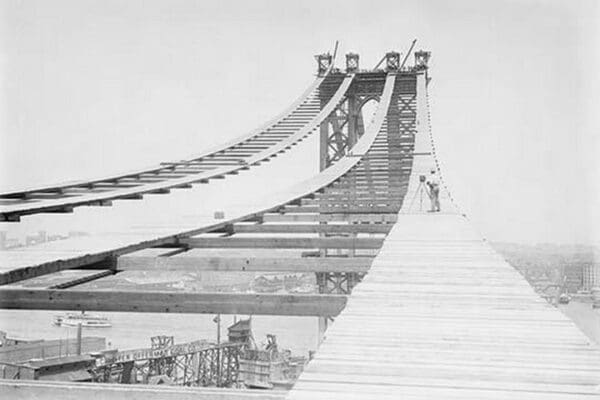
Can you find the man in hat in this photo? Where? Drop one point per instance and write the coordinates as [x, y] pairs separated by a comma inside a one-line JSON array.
[[434, 191]]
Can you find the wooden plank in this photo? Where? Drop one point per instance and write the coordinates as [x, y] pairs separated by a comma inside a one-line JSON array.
[[354, 209], [48, 390], [296, 105], [371, 218], [281, 243], [82, 280], [369, 186], [52, 265], [356, 189], [367, 201], [172, 302], [357, 194], [279, 264], [380, 173], [9, 212], [53, 257], [453, 330], [440, 315], [308, 228]]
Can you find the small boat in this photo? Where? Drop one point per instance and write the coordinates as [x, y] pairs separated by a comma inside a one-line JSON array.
[[86, 320]]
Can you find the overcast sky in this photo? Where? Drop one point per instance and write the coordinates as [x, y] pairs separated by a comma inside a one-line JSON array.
[[93, 87]]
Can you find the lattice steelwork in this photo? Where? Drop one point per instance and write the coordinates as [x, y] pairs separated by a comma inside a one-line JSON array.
[[219, 366], [323, 63], [422, 59], [210, 365], [341, 130], [352, 64], [381, 177], [337, 282]]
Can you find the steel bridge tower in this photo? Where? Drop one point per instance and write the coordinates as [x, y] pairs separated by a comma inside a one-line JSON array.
[[342, 129]]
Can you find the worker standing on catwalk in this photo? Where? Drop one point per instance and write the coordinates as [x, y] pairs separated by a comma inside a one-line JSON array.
[[434, 191]]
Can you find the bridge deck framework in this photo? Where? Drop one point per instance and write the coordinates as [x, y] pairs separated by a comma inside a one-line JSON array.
[[423, 307]]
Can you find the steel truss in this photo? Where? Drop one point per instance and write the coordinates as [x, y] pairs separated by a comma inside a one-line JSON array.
[[340, 131], [337, 282], [219, 366], [216, 365]]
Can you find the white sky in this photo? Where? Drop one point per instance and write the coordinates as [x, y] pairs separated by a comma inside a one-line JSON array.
[[94, 87]]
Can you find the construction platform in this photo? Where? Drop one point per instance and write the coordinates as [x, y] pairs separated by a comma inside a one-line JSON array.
[[441, 315]]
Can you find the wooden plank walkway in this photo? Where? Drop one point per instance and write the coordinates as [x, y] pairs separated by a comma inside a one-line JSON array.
[[440, 315]]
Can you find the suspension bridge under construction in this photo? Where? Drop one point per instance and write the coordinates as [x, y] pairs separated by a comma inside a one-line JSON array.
[[412, 304]]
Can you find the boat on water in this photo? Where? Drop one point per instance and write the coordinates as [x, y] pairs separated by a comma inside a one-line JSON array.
[[86, 320]]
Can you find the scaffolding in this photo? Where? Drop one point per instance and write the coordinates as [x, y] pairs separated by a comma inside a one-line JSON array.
[[198, 363]]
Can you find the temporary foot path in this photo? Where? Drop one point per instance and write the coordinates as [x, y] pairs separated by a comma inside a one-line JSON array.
[[441, 315]]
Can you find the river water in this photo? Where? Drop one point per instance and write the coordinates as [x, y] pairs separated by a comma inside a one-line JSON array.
[[133, 330]]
